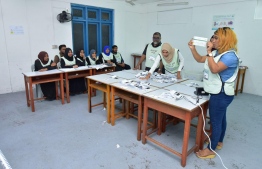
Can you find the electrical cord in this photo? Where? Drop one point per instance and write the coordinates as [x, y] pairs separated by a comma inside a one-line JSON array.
[[4, 161], [204, 126]]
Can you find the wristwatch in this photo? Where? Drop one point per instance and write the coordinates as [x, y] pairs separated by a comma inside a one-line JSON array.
[[210, 54]]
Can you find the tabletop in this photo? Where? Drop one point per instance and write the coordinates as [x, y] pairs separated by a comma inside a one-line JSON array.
[[104, 78], [49, 72]]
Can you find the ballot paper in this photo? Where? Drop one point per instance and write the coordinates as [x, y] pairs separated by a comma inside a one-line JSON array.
[[199, 41]]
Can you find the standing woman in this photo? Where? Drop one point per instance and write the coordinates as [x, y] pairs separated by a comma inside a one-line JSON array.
[[172, 60], [220, 72], [43, 63], [93, 59], [106, 56], [69, 61]]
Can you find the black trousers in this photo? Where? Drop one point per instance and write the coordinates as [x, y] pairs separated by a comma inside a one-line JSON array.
[[120, 68]]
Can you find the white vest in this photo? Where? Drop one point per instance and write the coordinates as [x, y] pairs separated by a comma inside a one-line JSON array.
[[92, 62], [171, 67], [110, 57], [47, 64], [213, 83], [69, 63], [118, 57], [82, 61], [152, 52]]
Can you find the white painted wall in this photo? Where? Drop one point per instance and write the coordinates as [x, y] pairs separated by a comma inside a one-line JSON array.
[[42, 30], [247, 29], [134, 26]]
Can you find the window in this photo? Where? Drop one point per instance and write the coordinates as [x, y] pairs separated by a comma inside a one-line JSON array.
[[92, 28]]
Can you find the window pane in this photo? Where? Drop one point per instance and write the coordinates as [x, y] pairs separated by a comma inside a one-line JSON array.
[[92, 14], [77, 13], [78, 36], [92, 37], [105, 16], [105, 35]]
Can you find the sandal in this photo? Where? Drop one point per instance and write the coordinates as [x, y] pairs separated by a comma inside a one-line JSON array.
[[219, 147], [205, 157]]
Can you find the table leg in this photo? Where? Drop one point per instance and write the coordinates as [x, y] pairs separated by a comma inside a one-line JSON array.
[[242, 83], [62, 89], [67, 88], [104, 99], [139, 118], [145, 117], [56, 90], [89, 95], [108, 102], [112, 106], [31, 95], [159, 121], [26, 92], [185, 140], [128, 110]]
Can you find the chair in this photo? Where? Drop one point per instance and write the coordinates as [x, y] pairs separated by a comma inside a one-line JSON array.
[[38, 91]]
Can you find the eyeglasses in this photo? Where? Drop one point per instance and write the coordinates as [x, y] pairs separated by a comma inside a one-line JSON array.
[[156, 38]]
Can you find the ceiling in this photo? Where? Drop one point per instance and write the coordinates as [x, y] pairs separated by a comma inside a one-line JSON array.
[[151, 1]]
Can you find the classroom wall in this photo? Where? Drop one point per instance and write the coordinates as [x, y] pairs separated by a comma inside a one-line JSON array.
[[179, 33], [134, 26], [42, 30]]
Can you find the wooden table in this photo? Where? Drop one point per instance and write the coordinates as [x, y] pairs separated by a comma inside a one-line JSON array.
[[73, 73], [101, 69], [241, 72], [33, 78], [180, 109], [131, 94], [100, 82], [135, 55]]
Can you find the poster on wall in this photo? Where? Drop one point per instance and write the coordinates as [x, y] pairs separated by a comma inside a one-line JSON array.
[[16, 30], [223, 21]]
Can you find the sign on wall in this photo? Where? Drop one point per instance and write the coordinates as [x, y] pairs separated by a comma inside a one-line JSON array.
[[16, 30], [223, 21]]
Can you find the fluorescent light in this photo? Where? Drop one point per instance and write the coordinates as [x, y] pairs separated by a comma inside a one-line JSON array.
[[173, 4]]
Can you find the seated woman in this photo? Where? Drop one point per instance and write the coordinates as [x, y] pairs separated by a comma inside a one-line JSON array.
[[172, 60], [80, 58], [92, 59], [118, 60], [106, 56], [43, 63], [76, 86]]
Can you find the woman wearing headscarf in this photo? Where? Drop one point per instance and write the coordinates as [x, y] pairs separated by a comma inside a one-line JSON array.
[[106, 56], [80, 58], [220, 71], [93, 59], [172, 60], [43, 63], [77, 85]]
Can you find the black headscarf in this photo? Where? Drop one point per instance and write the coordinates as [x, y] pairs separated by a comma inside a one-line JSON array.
[[66, 55], [78, 54], [41, 56]]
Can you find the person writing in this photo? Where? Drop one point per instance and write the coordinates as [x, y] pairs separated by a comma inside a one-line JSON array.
[[150, 53], [220, 72], [172, 60]]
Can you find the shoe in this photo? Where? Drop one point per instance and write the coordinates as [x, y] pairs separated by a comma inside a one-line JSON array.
[[219, 147], [206, 157]]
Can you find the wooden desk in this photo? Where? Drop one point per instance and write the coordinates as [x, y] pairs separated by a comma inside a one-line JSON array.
[[100, 82], [33, 78], [72, 73], [101, 69], [123, 75], [241, 72], [135, 57], [131, 94], [180, 109]]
